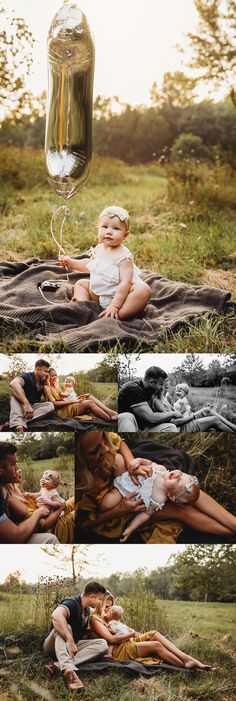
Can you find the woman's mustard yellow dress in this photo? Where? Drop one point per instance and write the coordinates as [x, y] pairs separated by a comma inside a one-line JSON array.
[[128, 650], [88, 508], [64, 528], [69, 411]]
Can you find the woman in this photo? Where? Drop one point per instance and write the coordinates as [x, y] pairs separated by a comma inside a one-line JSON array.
[[99, 459], [85, 407], [150, 647], [21, 506], [165, 402]]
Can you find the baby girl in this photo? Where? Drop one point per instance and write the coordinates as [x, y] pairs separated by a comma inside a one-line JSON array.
[[48, 494], [162, 485], [114, 278], [115, 626], [69, 392]]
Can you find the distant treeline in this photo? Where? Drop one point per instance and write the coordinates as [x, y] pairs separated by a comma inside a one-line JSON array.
[[199, 573], [204, 130]]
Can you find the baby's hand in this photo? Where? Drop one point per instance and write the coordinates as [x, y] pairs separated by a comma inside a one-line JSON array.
[[139, 466], [64, 261], [110, 311]]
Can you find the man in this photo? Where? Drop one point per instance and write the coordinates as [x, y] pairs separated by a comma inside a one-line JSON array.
[[135, 412], [25, 531], [67, 639], [27, 391]]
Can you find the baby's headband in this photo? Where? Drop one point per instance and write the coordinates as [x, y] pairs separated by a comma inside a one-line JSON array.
[[115, 211]]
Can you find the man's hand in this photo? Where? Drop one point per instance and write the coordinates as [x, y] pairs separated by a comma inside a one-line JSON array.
[[139, 466], [44, 511], [177, 414], [27, 410], [111, 311], [72, 647]]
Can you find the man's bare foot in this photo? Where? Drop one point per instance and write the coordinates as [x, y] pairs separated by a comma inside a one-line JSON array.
[[72, 681]]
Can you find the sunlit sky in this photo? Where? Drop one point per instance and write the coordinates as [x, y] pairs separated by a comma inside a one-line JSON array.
[[135, 42], [102, 560], [167, 361], [63, 364]]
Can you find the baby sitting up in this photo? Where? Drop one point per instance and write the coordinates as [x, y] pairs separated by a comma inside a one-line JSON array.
[[162, 485], [115, 625], [69, 392], [48, 494], [114, 279]]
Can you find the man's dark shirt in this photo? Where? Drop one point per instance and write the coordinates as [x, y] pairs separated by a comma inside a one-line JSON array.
[[133, 392], [75, 620], [4, 513], [32, 393]]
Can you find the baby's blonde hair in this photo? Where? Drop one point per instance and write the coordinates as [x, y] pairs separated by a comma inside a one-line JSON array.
[[71, 378], [54, 475], [188, 490], [184, 386], [117, 612], [116, 211]]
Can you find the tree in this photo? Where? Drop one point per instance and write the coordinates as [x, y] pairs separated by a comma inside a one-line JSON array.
[[177, 90], [191, 371], [15, 61], [214, 44], [105, 371], [75, 555], [189, 146]]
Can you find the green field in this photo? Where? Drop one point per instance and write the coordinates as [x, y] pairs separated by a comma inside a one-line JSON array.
[[224, 404], [198, 628], [32, 471], [181, 231]]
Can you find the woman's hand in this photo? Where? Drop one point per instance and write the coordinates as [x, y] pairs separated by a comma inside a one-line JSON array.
[[130, 504], [139, 466], [111, 311]]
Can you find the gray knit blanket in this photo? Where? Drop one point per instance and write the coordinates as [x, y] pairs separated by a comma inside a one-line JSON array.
[[23, 309]]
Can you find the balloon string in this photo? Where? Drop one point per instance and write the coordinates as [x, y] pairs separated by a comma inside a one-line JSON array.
[[60, 247], [61, 107]]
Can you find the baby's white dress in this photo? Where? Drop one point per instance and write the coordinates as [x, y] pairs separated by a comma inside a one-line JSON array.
[[125, 486], [49, 493], [104, 271]]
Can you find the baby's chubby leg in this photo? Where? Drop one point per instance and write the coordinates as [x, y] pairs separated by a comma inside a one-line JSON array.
[[136, 300], [82, 292], [110, 500]]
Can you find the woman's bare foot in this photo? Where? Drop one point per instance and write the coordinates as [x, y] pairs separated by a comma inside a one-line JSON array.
[[113, 415], [195, 664]]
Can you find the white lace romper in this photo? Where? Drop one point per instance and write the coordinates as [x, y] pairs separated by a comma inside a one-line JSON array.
[[104, 271], [125, 486]]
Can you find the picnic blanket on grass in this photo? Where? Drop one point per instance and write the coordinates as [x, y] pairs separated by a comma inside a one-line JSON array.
[[23, 309], [130, 666], [55, 423]]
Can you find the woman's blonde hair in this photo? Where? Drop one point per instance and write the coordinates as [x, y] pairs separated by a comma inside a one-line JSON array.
[[100, 608], [84, 477]]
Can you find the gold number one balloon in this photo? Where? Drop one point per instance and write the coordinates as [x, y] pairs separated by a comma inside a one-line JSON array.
[[68, 141]]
